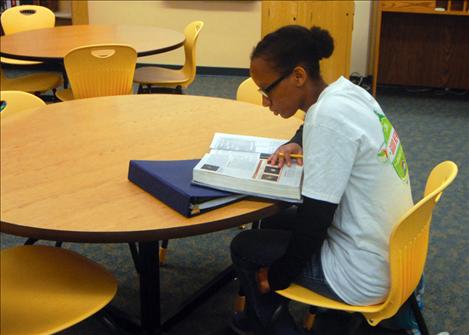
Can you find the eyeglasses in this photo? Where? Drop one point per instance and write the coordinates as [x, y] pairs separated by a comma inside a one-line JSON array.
[[266, 91]]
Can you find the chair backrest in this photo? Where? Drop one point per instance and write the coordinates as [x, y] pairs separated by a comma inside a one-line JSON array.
[[248, 92], [100, 70], [191, 32], [409, 243], [26, 17], [16, 101]]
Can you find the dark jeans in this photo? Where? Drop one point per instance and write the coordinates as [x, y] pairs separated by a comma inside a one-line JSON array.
[[252, 249]]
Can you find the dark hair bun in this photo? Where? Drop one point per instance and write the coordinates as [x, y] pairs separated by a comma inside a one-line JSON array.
[[324, 44], [294, 45]]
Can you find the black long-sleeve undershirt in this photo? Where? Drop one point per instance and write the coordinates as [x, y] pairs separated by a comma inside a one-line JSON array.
[[312, 221], [298, 137], [310, 230]]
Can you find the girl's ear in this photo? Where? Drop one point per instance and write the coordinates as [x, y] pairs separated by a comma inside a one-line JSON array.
[[300, 75]]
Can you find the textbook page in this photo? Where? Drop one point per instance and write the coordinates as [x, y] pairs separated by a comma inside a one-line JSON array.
[[249, 166], [230, 142], [249, 173]]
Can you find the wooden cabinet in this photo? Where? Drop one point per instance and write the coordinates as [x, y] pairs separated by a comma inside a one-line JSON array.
[[422, 43], [68, 11], [335, 16]]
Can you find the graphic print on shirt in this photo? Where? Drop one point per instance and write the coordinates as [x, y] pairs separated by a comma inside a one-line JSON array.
[[391, 150]]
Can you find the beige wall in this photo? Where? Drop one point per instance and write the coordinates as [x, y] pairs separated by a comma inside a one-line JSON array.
[[361, 37], [232, 28]]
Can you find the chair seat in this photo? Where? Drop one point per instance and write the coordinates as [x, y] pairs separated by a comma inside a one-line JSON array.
[[18, 104], [298, 293], [46, 289], [65, 94], [159, 76], [37, 82], [12, 61]]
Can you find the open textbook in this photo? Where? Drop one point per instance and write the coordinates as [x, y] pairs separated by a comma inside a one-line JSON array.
[[238, 163]]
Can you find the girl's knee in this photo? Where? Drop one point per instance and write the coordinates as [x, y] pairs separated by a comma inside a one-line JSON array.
[[240, 242]]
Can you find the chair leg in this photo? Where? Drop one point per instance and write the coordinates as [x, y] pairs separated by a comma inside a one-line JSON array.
[[308, 323], [240, 300], [256, 224], [164, 246], [418, 315], [240, 303], [30, 241], [107, 319], [140, 89]]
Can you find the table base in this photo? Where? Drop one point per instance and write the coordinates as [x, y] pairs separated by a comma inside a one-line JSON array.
[[146, 261]]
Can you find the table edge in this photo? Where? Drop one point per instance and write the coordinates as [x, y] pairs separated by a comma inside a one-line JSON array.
[[139, 236], [55, 59], [60, 59]]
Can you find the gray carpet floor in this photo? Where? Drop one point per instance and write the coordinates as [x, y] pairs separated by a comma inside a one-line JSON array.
[[433, 126]]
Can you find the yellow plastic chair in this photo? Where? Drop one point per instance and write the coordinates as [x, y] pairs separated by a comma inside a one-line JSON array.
[[99, 70], [248, 92], [174, 79], [32, 83], [23, 18], [46, 289], [407, 253], [17, 101]]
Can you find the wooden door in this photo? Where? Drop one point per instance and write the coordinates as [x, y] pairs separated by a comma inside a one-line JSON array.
[[335, 16], [276, 14]]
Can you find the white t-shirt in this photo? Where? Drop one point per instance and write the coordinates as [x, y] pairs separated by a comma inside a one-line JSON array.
[[353, 158]]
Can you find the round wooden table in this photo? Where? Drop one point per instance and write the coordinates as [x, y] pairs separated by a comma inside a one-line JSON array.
[[64, 166], [64, 173], [52, 44]]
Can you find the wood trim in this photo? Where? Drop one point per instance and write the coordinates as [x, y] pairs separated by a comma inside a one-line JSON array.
[[408, 6], [348, 56], [377, 33], [80, 12], [423, 7]]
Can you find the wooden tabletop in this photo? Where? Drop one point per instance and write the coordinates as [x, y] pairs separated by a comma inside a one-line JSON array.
[[64, 166], [53, 44]]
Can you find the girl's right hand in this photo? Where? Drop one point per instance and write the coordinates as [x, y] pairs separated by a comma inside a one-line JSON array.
[[282, 156]]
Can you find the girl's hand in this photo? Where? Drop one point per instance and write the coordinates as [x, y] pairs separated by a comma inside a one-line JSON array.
[[283, 154]]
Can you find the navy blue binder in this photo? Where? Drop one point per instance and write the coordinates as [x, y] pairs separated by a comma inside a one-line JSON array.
[[170, 182]]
